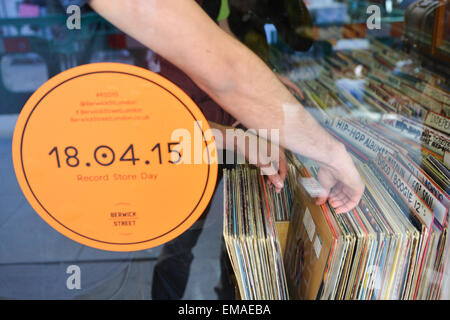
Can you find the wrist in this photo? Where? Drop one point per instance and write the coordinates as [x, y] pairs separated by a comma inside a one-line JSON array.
[[339, 157]]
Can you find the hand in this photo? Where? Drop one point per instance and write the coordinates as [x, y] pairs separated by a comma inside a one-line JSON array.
[[293, 88], [269, 157], [277, 179], [343, 185]]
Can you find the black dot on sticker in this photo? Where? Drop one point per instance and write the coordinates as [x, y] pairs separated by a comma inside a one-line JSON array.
[[88, 164], [147, 162], [104, 155]]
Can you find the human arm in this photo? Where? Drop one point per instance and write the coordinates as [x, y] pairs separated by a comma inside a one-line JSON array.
[[236, 79]]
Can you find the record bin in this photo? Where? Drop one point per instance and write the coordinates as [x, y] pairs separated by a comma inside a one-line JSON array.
[[385, 95]]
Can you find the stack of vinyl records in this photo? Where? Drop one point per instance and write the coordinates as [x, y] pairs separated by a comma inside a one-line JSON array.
[[251, 208], [383, 249], [369, 83], [394, 121], [392, 115]]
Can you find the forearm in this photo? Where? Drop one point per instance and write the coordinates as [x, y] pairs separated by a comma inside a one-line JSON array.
[[224, 68], [260, 101]]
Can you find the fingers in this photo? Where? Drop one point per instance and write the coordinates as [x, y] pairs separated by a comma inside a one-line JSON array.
[[343, 199], [345, 187], [276, 181], [342, 205], [339, 196], [348, 206], [338, 200], [353, 200], [276, 171], [272, 176]]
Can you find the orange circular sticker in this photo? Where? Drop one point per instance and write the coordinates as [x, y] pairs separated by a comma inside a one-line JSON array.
[[114, 157]]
